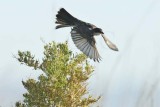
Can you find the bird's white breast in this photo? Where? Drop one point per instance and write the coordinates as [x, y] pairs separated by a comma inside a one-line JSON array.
[[96, 34]]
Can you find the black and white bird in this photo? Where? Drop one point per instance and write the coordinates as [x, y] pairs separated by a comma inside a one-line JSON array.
[[82, 34]]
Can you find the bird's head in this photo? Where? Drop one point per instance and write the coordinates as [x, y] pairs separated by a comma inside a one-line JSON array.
[[98, 31]]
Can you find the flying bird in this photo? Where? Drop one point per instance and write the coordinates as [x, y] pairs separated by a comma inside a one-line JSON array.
[[82, 34]]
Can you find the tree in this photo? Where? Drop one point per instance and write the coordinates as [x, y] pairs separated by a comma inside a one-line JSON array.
[[63, 82]]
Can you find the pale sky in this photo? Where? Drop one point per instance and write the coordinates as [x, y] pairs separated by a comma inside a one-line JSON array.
[[128, 78]]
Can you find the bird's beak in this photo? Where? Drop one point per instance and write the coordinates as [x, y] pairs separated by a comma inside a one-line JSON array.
[[109, 43]]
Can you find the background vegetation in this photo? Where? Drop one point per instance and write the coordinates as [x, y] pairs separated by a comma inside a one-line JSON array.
[[63, 82]]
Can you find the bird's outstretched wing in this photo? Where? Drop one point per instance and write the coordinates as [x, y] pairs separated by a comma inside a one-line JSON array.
[[85, 44]]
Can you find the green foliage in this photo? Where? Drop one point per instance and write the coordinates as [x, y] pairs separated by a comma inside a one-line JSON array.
[[63, 83]]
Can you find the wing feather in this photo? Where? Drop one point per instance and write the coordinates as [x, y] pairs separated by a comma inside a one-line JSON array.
[[85, 44]]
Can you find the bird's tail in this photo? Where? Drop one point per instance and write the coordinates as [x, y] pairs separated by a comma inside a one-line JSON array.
[[109, 43], [64, 19]]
